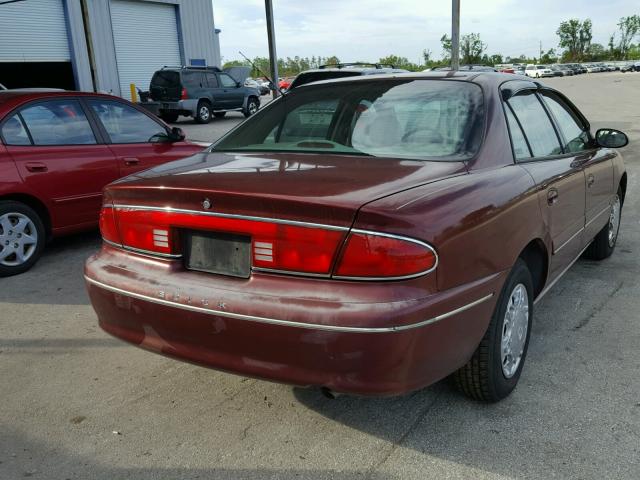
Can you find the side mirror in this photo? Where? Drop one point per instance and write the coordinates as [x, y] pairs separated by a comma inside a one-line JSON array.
[[238, 84], [177, 134], [611, 138]]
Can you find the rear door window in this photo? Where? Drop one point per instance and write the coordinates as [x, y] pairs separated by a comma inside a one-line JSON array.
[[192, 79], [536, 124], [212, 81], [125, 124], [14, 133], [520, 147], [58, 122]]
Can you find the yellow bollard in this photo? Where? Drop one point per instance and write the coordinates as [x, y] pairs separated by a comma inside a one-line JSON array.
[[134, 93]]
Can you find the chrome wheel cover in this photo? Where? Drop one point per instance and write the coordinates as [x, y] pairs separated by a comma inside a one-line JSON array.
[[204, 112], [614, 221], [18, 239], [253, 107], [514, 330]]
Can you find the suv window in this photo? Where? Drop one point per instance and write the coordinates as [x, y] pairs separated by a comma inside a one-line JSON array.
[[212, 81], [125, 124], [192, 79], [227, 81], [58, 122], [165, 78], [536, 124], [14, 133], [573, 131]]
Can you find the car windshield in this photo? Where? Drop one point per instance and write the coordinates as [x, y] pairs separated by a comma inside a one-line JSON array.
[[414, 119]]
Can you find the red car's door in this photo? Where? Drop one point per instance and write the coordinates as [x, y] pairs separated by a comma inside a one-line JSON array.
[[137, 140], [60, 159], [559, 178]]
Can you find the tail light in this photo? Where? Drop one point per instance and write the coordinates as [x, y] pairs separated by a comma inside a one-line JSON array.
[[108, 227], [276, 245], [183, 94], [370, 255]]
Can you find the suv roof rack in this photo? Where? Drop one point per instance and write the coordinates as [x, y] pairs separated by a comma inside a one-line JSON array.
[[356, 64], [185, 67]]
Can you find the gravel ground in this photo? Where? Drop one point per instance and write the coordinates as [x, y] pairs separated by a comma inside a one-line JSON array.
[[77, 404]]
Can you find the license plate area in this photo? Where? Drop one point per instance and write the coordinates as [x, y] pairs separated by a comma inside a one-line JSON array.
[[221, 253]]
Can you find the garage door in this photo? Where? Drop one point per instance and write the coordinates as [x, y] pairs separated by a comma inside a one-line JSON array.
[[146, 38], [33, 31]]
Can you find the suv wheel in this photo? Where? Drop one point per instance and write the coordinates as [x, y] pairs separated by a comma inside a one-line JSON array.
[[169, 117], [252, 107], [22, 238], [203, 113]]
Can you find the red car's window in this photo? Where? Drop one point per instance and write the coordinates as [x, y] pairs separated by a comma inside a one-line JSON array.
[[59, 122], [125, 124], [536, 124], [14, 133], [399, 118], [575, 134]]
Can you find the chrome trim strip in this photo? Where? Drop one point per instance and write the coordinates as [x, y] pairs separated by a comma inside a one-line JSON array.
[[397, 237], [288, 323], [289, 272], [546, 289], [171, 256], [230, 215], [567, 242], [608, 209]]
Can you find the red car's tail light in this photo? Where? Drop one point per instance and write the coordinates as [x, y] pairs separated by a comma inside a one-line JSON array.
[[108, 227], [183, 94], [370, 255], [276, 246]]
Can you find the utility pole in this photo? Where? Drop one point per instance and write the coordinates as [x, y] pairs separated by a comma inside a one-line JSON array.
[[455, 34], [540, 57], [273, 56]]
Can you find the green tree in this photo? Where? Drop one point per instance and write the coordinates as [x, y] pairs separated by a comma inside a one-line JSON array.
[[398, 62], [471, 48], [629, 28], [333, 60], [575, 37], [446, 48], [597, 52], [549, 56]]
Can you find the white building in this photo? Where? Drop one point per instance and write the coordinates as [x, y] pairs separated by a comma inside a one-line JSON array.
[[102, 45]]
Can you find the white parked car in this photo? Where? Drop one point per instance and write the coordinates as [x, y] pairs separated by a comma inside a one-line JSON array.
[[537, 71]]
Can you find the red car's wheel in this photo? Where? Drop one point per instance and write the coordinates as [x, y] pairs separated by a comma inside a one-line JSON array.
[[22, 238]]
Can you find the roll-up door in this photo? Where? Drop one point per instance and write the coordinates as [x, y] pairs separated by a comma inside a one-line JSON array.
[[146, 38]]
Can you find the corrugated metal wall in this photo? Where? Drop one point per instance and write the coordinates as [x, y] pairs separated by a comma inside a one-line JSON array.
[[195, 26]]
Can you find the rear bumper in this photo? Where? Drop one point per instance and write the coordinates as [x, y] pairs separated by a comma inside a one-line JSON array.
[[341, 338], [183, 107]]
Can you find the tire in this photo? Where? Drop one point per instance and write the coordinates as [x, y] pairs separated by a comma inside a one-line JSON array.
[[21, 227], [604, 243], [203, 112], [492, 373], [169, 117], [219, 114], [252, 107]]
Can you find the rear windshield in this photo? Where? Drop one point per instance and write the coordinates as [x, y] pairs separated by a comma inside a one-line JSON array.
[[166, 79], [414, 119]]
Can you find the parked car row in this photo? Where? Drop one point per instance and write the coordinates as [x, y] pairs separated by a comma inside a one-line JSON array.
[[566, 69]]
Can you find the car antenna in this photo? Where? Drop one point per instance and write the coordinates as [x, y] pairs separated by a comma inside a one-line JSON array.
[[275, 85]]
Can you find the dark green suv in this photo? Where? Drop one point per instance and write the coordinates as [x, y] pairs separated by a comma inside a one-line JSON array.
[[202, 93]]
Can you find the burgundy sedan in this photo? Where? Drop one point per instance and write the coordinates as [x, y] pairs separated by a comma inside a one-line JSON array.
[[57, 152], [367, 235]]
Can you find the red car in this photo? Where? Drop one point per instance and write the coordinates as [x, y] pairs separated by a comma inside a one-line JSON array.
[[57, 152], [285, 83], [368, 235]]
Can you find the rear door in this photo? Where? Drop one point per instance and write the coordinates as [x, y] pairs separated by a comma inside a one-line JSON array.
[[60, 158], [597, 163], [560, 179], [137, 140]]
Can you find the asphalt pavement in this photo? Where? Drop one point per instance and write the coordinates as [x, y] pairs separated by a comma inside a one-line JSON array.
[[78, 404]]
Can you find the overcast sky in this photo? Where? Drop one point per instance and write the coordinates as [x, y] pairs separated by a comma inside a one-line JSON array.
[[369, 29]]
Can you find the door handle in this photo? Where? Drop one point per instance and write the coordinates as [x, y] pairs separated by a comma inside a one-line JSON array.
[[590, 179], [552, 196], [129, 161], [36, 167]]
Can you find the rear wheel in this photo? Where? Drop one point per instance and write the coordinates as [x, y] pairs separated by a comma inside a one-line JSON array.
[[219, 114], [604, 242], [203, 112], [169, 117], [252, 107], [22, 238], [494, 370]]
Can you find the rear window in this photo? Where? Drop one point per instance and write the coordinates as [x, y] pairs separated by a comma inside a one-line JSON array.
[[413, 119], [309, 77], [165, 79]]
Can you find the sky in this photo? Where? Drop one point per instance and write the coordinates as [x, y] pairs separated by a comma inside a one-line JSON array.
[[368, 30]]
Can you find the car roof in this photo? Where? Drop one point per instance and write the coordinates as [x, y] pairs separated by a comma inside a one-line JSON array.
[[14, 97]]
